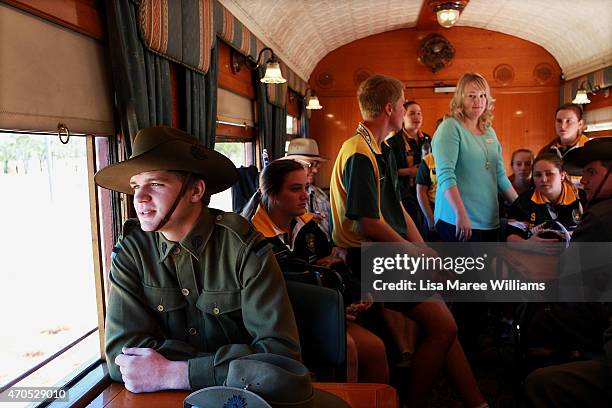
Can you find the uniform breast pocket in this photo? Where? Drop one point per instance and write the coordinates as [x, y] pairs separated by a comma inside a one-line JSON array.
[[223, 314], [168, 305]]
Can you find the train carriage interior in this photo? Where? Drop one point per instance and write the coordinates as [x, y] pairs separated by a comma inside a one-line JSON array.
[[258, 80]]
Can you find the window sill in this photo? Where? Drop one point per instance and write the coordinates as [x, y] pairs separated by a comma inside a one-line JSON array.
[[89, 388]]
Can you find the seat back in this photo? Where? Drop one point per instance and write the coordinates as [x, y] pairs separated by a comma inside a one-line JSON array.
[[319, 313]]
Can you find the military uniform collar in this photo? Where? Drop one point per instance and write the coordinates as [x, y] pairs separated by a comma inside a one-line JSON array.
[[568, 196], [193, 242], [264, 224]]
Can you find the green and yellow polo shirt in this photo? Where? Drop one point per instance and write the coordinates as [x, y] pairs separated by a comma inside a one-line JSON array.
[[532, 209], [427, 176], [363, 184]]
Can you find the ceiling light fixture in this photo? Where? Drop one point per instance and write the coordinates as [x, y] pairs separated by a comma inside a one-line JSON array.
[[581, 94], [447, 11], [313, 100], [273, 73]]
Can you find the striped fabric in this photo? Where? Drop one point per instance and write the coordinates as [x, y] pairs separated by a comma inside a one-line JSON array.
[[182, 31], [295, 82], [277, 93], [234, 33], [600, 79]]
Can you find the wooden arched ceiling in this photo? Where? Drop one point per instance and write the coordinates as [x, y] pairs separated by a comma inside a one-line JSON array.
[[577, 33]]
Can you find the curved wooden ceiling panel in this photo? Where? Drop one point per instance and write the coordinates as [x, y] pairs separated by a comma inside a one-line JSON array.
[[576, 32]]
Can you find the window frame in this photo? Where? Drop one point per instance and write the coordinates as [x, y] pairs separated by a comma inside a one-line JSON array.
[[94, 378]]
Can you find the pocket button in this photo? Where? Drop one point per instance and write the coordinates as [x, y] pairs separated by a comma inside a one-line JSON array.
[[160, 308], [216, 310]]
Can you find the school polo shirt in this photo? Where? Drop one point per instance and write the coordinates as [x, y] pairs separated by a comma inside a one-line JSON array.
[[363, 184], [427, 176]]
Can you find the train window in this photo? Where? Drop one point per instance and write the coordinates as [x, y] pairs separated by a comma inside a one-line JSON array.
[[49, 269], [292, 125], [292, 130], [241, 154]]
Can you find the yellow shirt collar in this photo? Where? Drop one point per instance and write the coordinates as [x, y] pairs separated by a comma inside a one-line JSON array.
[[580, 141], [369, 137], [568, 196], [264, 224]]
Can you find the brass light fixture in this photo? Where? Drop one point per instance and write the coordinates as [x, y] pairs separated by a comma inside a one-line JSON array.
[[581, 94], [273, 73], [313, 101], [447, 11]]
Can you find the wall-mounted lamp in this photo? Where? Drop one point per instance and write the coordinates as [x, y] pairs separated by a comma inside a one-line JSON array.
[[447, 11], [273, 73], [313, 100], [581, 94]]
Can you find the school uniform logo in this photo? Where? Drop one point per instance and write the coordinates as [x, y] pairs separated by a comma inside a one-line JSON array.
[[310, 242], [576, 215]]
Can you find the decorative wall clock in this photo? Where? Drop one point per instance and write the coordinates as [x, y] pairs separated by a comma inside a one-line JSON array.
[[436, 52]]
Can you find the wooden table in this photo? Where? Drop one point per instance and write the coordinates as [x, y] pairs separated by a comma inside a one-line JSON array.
[[356, 394]]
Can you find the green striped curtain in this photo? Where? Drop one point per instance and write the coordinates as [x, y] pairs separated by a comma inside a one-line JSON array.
[[601, 79]]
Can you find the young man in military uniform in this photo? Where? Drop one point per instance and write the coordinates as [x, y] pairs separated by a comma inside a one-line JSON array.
[[192, 288]]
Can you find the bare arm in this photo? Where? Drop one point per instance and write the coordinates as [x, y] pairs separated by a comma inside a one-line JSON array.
[[510, 195], [515, 238], [425, 205], [376, 230], [379, 231], [464, 226], [411, 229], [408, 171]]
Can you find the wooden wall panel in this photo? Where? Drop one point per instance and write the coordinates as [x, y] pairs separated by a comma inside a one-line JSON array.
[[240, 82], [83, 16], [601, 99], [293, 106], [524, 113]]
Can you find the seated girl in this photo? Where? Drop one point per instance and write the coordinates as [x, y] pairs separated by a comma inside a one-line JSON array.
[[278, 211], [552, 211], [553, 333]]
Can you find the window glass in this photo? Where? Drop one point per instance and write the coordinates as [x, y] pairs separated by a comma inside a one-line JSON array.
[[241, 154], [47, 278], [292, 125]]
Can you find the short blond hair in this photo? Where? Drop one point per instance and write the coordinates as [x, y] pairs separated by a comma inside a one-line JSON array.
[[375, 92], [456, 103]]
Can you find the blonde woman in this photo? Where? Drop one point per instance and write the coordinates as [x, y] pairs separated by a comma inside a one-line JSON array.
[[469, 166]]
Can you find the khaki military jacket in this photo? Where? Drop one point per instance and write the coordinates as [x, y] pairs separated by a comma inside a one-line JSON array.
[[213, 297]]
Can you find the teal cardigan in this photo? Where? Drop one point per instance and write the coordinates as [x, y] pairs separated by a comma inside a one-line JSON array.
[[460, 161]]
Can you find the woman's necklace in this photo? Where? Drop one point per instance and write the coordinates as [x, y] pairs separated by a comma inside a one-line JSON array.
[[483, 146]]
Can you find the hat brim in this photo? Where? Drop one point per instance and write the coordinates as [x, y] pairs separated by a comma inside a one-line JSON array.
[[304, 157], [593, 150], [217, 171], [218, 396]]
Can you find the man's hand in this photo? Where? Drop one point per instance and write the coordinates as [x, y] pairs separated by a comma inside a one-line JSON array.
[[337, 256], [354, 309], [145, 370]]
